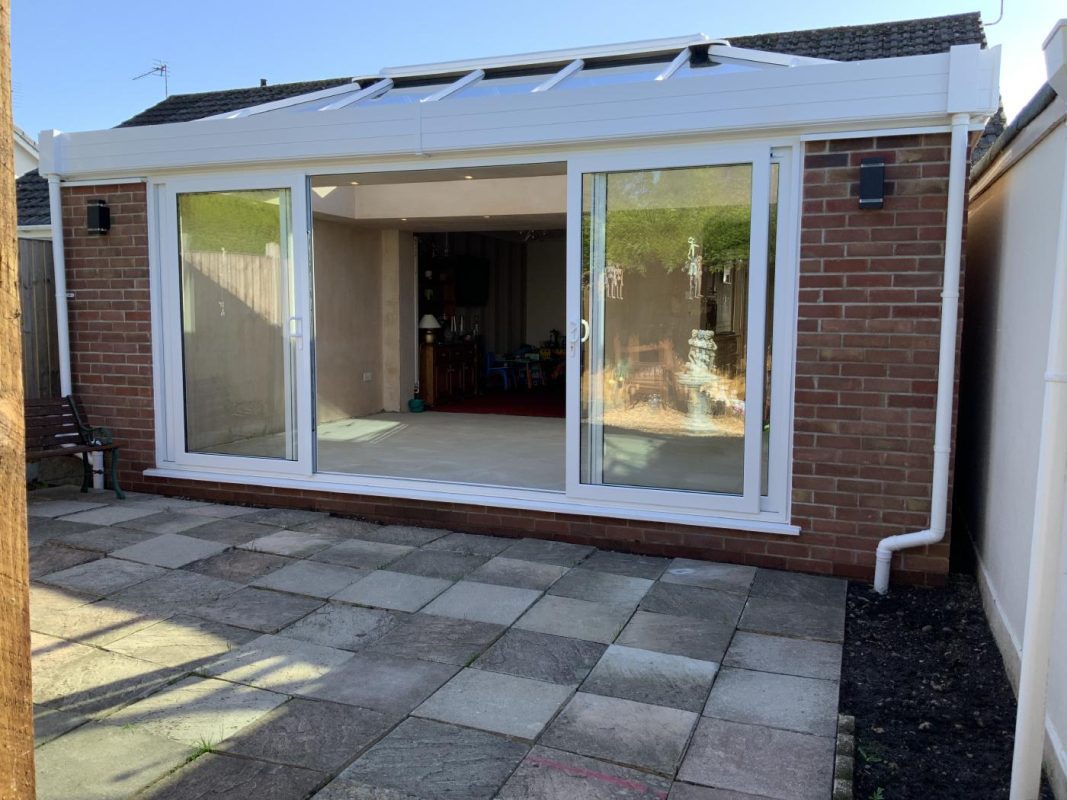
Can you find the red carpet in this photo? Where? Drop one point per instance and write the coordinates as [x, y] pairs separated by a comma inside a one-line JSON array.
[[519, 403]]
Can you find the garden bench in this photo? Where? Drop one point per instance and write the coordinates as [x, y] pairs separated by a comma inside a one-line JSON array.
[[54, 427]]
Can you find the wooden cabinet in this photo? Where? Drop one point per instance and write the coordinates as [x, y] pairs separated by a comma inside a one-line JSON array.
[[449, 371]]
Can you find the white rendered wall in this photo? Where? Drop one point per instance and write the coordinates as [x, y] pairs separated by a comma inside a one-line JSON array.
[[1011, 245]]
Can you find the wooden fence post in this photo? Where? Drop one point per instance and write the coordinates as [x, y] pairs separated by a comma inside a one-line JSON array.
[[16, 710]]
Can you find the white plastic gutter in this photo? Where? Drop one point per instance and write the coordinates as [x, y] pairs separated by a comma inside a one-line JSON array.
[[1047, 535], [946, 369], [59, 262]]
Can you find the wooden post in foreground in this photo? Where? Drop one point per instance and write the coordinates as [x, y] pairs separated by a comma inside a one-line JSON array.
[[16, 710]]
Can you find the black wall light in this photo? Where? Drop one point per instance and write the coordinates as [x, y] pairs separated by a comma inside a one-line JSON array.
[[872, 183], [98, 217]]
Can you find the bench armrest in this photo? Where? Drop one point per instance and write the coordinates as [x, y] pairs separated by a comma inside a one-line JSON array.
[[99, 436]]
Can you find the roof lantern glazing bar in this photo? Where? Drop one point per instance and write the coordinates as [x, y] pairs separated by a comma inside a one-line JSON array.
[[455, 86], [679, 61], [563, 74], [296, 100], [374, 90]]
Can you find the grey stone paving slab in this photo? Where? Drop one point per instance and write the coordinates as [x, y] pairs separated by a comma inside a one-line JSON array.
[[682, 636], [492, 701], [709, 575], [434, 761], [341, 527], [292, 543], [48, 558], [43, 529], [362, 554], [50, 653], [471, 544], [437, 564], [547, 774], [803, 657], [175, 592], [529, 654], [97, 624], [342, 626], [691, 791], [257, 609], [103, 576], [711, 605], [408, 535], [806, 705], [103, 540], [601, 587], [628, 564], [650, 677], [766, 762], [220, 511], [59, 508], [311, 578], [164, 522], [395, 590], [110, 515], [578, 619], [289, 666], [800, 588], [433, 638], [213, 775], [563, 554], [310, 733], [339, 789], [50, 723], [181, 641], [198, 710], [483, 602], [170, 550], [98, 762], [283, 517], [622, 731], [518, 573], [781, 617], [231, 531], [99, 682], [382, 683], [161, 503], [46, 601], [239, 566]]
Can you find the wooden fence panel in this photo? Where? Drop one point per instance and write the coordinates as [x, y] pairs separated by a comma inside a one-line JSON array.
[[40, 352]]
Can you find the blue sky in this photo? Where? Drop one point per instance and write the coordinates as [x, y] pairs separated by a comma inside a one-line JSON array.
[[74, 61]]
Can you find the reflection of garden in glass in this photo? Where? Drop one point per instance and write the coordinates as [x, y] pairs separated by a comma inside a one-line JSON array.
[[665, 287], [235, 273]]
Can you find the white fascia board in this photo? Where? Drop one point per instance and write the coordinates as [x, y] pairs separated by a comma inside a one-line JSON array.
[[728, 51], [295, 100], [541, 57], [885, 93]]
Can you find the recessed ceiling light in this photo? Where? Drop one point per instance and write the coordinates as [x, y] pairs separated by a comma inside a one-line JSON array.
[[468, 177], [403, 219], [486, 216], [354, 183]]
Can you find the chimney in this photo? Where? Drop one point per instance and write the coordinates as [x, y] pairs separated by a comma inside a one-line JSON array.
[[262, 82]]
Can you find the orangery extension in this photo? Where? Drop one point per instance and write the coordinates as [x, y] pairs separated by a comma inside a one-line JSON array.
[[691, 296]]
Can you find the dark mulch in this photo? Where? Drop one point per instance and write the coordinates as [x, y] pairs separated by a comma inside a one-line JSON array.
[[935, 715]]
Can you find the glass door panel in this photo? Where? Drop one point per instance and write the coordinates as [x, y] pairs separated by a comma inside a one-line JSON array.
[[672, 270], [238, 351]]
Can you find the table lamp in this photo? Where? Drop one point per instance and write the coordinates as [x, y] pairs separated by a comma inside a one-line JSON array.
[[429, 324]]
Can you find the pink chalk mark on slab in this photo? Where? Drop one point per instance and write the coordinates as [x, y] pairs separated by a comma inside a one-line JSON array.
[[582, 772]]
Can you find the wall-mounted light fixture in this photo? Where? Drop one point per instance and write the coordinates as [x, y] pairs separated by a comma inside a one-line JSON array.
[[98, 217], [872, 183]]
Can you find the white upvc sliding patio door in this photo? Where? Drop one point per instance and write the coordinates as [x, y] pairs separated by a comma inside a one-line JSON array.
[[671, 373], [234, 296]]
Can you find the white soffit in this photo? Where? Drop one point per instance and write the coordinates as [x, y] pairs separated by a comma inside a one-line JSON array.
[[734, 95]]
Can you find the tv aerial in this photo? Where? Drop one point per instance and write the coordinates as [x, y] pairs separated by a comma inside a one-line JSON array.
[[160, 70]]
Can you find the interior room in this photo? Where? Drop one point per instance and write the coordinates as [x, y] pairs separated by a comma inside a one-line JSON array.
[[439, 305]]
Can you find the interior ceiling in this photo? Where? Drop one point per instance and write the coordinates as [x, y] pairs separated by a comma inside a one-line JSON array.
[[428, 175]]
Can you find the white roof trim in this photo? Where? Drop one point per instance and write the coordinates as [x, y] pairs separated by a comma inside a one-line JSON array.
[[678, 62], [371, 91], [542, 57], [471, 77], [731, 53], [287, 102]]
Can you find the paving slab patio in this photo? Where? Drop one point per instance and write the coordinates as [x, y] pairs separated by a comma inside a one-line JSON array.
[[292, 654]]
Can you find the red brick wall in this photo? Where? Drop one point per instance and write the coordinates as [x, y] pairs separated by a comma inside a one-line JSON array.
[[865, 384]]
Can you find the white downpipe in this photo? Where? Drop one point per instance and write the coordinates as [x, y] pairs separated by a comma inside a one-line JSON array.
[[1046, 540], [55, 206], [946, 368]]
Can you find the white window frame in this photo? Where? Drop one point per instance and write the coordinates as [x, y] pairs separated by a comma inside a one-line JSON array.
[[750, 502], [168, 280]]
